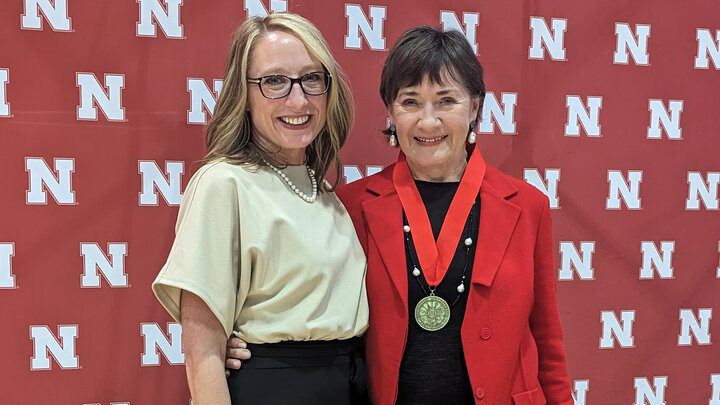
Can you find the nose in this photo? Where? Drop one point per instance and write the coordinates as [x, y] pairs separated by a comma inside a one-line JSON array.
[[297, 98], [428, 119]]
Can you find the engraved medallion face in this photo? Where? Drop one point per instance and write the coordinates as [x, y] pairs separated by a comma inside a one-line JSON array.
[[432, 313]]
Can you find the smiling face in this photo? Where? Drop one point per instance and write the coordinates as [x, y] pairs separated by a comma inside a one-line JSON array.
[[433, 121], [290, 123]]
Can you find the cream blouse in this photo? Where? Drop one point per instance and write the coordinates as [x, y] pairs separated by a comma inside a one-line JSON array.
[[270, 266]]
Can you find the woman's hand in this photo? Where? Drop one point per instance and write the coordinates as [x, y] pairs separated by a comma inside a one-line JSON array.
[[235, 352]]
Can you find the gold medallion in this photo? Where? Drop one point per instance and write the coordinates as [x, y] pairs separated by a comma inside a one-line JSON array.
[[432, 313]]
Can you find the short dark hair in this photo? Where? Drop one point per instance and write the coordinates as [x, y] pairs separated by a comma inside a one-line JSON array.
[[426, 51]]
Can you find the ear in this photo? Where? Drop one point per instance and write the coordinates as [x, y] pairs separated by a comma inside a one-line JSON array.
[[391, 117], [474, 108]]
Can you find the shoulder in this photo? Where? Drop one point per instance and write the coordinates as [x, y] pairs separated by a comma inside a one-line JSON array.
[[358, 191], [219, 170], [353, 190], [218, 173], [515, 190], [217, 181]]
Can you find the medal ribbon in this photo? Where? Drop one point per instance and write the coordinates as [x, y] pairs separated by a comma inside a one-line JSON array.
[[435, 257]]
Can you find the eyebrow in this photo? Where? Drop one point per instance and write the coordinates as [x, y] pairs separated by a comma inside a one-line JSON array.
[[280, 70], [413, 93]]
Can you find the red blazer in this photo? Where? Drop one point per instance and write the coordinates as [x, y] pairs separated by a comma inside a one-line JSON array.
[[511, 333]]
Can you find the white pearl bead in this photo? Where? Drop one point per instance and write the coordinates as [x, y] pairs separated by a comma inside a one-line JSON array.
[[468, 242], [293, 187], [461, 288], [406, 228], [416, 272]]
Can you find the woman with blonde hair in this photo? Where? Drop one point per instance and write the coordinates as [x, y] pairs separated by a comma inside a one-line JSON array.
[[264, 250]]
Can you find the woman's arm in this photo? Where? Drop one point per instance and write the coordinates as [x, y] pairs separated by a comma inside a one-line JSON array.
[[545, 319], [203, 341]]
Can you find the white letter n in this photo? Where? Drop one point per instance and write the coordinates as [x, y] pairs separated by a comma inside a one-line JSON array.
[[699, 189], [154, 339], [715, 384], [630, 193], [169, 21], [652, 258], [449, 21], [644, 394], [553, 42], [4, 80], [659, 116], [707, 48], [357, 21], [56, 15], [45, 344], [256, 8], [588, 118], [108, 98], [153, 178], [95, 261], [570, 257], [613, 327], [636, 43], [59, 186], [689, 324], [548, 186], [7, 279], [200, 96]]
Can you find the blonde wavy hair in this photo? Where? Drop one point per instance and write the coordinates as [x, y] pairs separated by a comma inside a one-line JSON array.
[[229, 133]]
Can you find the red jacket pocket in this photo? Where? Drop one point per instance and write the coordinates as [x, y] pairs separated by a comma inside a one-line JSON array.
[[532, 397]]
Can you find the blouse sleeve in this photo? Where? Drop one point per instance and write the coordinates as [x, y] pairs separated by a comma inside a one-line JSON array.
[[204, 256]]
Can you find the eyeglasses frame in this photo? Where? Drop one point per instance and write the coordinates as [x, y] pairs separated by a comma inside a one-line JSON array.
[[298, 80]]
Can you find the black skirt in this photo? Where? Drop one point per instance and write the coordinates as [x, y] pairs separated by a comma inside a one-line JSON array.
[[302, 373]]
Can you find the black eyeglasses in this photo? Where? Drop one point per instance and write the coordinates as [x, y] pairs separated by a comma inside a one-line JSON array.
[[279, 86]]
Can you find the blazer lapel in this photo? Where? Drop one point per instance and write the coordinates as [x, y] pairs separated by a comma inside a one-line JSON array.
[[383, 216], [498, 218]]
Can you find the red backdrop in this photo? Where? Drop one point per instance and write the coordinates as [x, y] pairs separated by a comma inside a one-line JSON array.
[[610, 108]]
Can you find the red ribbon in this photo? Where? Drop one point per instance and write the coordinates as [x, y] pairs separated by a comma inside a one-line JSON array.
[[435, 257]]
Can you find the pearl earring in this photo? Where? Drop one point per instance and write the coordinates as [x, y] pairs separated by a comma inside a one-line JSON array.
[[471, 134], [392, 140]]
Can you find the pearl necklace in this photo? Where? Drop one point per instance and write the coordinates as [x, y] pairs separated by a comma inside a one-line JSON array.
[[467, 242], [307, 198]]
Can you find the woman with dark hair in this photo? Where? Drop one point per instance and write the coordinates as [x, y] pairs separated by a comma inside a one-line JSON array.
[[461, 285], [469, 313]]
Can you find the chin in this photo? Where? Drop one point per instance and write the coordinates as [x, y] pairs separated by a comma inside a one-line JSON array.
[[297, 141], [433, 158]]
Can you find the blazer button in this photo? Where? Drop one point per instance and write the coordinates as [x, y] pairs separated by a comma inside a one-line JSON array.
[[479, 392], [485, 333]]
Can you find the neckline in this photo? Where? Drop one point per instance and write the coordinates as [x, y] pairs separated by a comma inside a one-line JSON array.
[[437, 183], [296, 171]]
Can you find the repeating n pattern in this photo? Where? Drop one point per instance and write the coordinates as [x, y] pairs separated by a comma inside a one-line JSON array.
[[609, 113]]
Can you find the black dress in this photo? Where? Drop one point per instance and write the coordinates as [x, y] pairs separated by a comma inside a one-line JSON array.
[[433, 369]]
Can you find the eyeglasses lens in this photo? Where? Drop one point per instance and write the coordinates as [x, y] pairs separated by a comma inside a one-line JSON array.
[[314, 83]]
